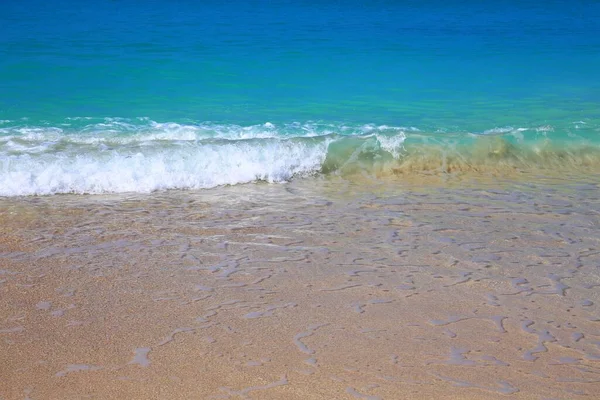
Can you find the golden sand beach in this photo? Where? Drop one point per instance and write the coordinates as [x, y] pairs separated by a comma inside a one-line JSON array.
[[315, 289]]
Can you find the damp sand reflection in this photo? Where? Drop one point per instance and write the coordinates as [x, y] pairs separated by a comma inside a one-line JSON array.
[[316, 289]]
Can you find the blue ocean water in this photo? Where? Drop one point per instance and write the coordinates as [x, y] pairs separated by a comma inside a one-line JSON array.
[[112, 96]]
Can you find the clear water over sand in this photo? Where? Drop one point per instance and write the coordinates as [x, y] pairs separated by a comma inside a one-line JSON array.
[[315, 289], [431, 229]]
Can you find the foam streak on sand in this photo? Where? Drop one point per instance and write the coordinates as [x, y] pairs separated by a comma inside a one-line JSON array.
[[305, 291], [311, 330]]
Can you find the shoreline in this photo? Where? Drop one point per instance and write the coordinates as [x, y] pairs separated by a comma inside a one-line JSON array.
[[314, 289]]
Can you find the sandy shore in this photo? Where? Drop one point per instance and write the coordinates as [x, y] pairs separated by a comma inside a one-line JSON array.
[[309, 290]]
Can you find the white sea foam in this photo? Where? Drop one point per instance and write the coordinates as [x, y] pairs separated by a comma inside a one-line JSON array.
[[82, 169], [496, 131], [85, 155], [392, 144], [128, 131]]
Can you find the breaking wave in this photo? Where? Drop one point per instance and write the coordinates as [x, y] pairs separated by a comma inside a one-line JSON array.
[[112, 155]]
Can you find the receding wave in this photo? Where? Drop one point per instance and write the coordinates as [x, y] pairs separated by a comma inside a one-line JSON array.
[[85, 155]]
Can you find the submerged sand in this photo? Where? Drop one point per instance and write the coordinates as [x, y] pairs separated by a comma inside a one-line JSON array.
[[316, 289]]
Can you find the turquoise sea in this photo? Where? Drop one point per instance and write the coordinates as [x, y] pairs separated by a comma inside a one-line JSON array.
[[136, 96]]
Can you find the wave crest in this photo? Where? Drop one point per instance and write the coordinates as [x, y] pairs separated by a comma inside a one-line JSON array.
[[116, 155]]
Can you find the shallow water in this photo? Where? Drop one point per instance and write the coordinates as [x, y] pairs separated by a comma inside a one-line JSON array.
[[314, 289]]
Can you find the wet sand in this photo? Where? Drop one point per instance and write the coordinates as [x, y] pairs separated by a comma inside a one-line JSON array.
[[316, 289]]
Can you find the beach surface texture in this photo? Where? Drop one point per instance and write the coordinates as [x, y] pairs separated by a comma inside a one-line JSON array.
[[299, 200]]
